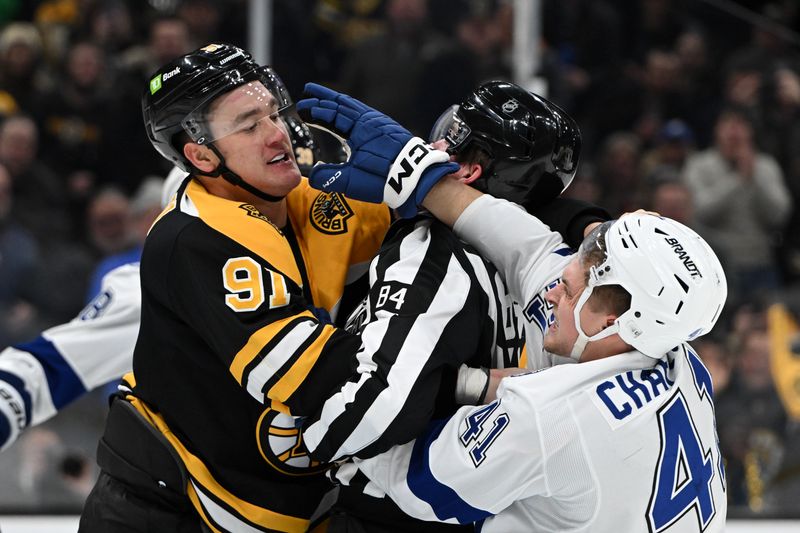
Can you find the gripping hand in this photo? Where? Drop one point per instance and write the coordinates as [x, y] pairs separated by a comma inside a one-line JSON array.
[[387, 163]]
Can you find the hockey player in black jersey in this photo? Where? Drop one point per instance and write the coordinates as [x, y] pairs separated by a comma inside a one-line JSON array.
[[241, 275]]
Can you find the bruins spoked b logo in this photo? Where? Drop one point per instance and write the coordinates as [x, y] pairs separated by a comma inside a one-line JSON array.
[[281, 444], [329, 213]]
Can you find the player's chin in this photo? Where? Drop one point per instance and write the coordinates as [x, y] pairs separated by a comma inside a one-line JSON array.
[[284, 175]]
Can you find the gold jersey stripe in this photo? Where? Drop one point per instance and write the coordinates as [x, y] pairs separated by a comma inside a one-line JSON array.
[[257, 341], [523, 357], [296, 375], [169, 207], [256, 233], [198, 471]]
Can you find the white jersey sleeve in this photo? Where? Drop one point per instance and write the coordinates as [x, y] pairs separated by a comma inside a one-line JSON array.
[[464, 469], [530, 258], [40, 377]]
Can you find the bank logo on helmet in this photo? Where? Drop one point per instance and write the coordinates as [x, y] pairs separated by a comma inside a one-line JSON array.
[[155, 84]]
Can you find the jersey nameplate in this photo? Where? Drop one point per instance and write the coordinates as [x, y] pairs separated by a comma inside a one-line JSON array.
[[625, 395]]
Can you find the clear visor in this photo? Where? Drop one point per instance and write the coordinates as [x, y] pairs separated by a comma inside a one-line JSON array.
[[451, 128], [245, 109]]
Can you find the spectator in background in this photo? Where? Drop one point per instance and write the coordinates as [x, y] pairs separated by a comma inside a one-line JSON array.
[[109, 223], [144, 208], [701, 82], [672, 199], [72, 120], [19, 263], [126, 154], [478, 51], [168, 39], [586, 38], [386, 71], [618, 173], [740, 195], [751, 422], [202, 19], [781, 139], [673, 144], [39, 199], [22, 77], [660, 92], [339, 28], [715, 356]]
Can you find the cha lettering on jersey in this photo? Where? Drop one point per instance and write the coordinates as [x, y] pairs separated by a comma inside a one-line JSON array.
[[625, 395]]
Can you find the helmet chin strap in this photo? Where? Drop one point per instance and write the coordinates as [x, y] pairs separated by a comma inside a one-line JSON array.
[[234, 179], [583, 339]]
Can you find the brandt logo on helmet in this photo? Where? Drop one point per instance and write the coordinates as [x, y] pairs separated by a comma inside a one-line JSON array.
[[683, 255], [329, 213], [510, 106]]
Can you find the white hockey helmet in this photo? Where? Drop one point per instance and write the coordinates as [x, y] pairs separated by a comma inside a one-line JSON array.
[[676, 283]]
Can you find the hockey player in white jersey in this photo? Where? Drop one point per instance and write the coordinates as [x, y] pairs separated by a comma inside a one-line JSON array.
[[40, 377], [625, 440]]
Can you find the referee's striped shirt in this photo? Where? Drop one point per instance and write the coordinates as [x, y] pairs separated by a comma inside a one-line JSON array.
[[433, 303]]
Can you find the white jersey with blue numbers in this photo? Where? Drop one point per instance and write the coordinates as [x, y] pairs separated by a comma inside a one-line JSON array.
[[625, 443], [529, 256], [40, 377]]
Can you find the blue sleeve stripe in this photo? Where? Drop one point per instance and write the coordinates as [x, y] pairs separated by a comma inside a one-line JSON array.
[[445, 501], [19, 385], [5, 430], [564, 252], [65, 385]]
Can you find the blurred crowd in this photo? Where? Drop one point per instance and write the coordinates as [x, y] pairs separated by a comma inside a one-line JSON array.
[[684, 108]]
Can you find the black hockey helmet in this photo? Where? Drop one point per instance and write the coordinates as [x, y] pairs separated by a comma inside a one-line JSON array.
[[180, 91], [534, 145]]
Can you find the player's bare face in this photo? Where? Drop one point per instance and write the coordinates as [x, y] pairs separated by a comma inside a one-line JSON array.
[[254, 140], [560, 337]]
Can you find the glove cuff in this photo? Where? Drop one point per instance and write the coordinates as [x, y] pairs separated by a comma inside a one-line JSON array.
[[407, 169]]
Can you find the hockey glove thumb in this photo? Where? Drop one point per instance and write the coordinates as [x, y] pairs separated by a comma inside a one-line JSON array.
[[387, 164]]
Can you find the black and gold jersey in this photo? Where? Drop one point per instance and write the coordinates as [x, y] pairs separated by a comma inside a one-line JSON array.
[[230, 327]]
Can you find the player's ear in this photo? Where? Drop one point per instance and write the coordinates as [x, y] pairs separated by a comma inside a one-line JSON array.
[[473, 171], [201, 157]]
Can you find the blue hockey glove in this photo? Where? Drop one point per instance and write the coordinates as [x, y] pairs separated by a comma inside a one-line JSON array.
[[387, 164]]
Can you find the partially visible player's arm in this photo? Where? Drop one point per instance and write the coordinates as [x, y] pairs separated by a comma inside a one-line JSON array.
[[468, 467], [40, 377]]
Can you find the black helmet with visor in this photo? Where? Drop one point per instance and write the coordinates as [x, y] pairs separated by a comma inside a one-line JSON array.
[[178, 102], [533, 144]]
